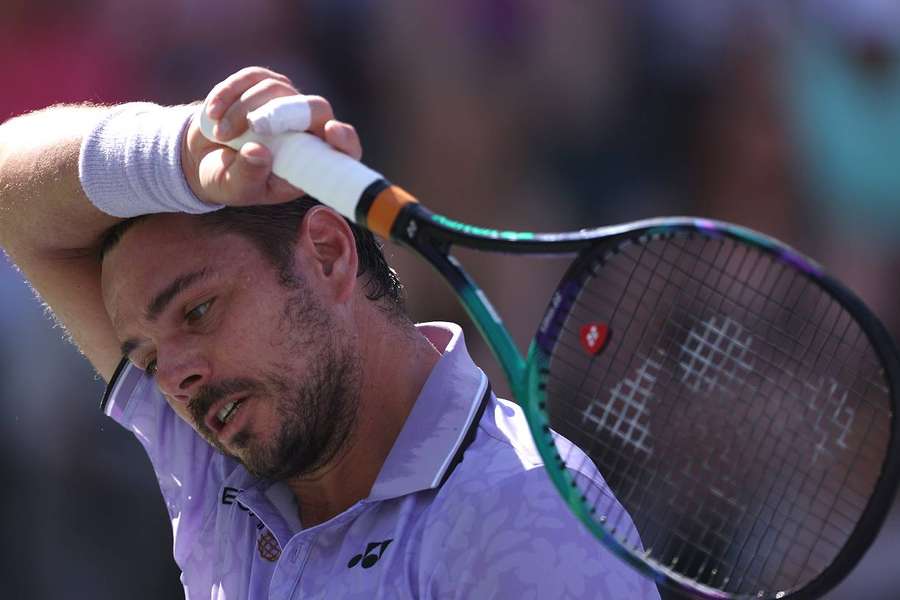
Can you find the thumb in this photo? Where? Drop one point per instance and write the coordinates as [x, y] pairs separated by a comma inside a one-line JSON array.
[[236, 178]]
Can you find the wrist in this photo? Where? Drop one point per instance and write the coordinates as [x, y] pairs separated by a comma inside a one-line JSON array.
[[189, 165], [134, 162]]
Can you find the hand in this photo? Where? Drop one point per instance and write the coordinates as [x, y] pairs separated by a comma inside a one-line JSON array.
[[217, 174]]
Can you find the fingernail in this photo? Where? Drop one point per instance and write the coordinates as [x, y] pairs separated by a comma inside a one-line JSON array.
[[256, 161]]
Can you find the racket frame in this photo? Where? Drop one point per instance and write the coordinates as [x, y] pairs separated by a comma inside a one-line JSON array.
[[432, 236], [354, 190]]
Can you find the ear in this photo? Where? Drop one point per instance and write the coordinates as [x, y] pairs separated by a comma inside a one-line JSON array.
[[330, 250]]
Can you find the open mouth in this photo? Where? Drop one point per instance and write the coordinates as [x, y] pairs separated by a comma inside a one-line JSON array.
[[226, 414], [221, 418]]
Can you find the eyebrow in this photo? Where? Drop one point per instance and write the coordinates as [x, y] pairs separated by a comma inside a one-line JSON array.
[[161, 301]]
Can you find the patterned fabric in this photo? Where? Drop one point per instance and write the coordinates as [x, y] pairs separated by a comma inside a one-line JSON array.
[[444, 519]]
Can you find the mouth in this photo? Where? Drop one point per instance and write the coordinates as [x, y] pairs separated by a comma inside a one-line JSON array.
[[223, 412]]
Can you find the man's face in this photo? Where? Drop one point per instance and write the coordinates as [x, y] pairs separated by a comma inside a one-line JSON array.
[[261, 369]]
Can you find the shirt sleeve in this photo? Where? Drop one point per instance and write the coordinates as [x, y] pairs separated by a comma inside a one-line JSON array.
[[190, 472], [517, 539]]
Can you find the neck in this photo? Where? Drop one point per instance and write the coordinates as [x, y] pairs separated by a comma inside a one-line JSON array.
[[397, 362]]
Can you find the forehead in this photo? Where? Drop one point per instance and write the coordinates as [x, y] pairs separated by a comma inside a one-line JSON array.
[[158, 249]]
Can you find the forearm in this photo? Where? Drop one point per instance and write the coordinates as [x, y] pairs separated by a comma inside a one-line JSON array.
[[43, 210], [69, 173]]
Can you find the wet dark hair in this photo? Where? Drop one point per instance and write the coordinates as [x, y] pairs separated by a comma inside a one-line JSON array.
[[273, 230]]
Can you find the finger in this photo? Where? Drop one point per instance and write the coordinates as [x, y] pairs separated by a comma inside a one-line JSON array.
[[280, 190], [320, 114], [234, 122], [224, 93], [237, 178], [211, 173], [343, 136], [291, 113], [279, 115]]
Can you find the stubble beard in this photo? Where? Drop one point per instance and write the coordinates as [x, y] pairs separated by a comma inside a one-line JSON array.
[[316, 402], [317, 416]]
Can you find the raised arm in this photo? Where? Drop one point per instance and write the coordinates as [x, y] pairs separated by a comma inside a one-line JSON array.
[[51, 228]]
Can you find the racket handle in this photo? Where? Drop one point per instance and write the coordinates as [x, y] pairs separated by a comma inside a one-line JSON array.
[[307, 162]]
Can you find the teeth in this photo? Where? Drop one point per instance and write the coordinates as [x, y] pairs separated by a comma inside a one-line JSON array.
[[227, 413]]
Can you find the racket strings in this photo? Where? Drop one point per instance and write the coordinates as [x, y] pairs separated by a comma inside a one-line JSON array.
[[790, 463], [613, 527], [754, 291], [582, 430], [626, 393], [736, 281], [841, 495], [674, 530], [674, 545], [757, 357], [729, 375], [642, 334], [778, 508], [614, 467], [620, 419], [824, 524], [701, 549]]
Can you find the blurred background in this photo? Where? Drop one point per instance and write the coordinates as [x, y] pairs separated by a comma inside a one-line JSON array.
[[783, 116]]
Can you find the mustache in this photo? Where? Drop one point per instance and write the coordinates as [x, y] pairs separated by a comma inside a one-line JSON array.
[[211, 393]]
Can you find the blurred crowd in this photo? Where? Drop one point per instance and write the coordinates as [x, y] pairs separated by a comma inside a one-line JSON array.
[[781, 116]]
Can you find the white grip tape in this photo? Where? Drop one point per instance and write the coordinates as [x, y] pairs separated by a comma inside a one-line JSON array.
[[307, 162], [281, 115]]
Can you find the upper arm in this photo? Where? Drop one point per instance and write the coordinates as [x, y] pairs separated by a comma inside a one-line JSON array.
[[50, 229], [70, 287]]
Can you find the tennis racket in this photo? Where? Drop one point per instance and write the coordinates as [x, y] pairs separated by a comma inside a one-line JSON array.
[[740, 403]]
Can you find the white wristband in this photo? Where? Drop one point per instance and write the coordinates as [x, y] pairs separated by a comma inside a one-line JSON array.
[[130, 162]]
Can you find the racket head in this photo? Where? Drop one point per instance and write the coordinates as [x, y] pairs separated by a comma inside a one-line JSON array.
[[740, 403]]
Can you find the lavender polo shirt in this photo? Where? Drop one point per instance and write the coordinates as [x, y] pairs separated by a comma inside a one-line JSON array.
[[462, 507]]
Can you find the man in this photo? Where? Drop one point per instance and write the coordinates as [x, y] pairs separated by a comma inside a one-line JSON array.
[[309, 440]]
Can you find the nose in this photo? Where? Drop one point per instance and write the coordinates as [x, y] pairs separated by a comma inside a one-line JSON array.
[[181, 372]]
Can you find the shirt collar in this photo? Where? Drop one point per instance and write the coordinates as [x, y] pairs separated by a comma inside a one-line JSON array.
[[436, 432], [442, 421]]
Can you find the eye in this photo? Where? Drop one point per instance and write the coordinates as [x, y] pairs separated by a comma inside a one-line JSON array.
[[199, 311]]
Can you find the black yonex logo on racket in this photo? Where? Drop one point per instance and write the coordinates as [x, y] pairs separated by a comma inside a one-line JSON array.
[[369, 557]]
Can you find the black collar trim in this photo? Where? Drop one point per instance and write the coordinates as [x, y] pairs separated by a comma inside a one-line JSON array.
[[111, 386], [469, 437]]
